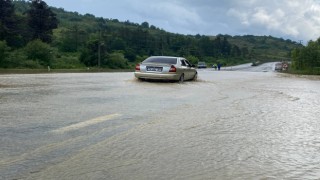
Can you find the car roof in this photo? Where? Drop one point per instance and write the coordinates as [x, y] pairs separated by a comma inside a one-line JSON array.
[[167, 57]]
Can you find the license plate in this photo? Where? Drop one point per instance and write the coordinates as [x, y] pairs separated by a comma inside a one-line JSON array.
[[157, 69]]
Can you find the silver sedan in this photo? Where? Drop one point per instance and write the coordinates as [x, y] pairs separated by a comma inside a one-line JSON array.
[[166, 68]]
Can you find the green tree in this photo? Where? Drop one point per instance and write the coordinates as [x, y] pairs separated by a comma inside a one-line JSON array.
[[4, 52], [145, 25], [130, 55], [226, 47], [8, 23], [244, 51], [235, 51], [117, 60], [193, 59], [6, 14], [39, 51], [307, 59], [72, 39], [206, 46], [90, 54], [41, 21], [118, 44]]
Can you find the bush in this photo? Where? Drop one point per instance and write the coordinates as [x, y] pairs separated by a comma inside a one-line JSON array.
[[67, 62], [39, 51], [192, 59], [117, 60], [15, 59], [141, 58], [31, 64]]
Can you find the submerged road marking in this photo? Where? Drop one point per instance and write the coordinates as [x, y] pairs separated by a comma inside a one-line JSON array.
[[86, 123]]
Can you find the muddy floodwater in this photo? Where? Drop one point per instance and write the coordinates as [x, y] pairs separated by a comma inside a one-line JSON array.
[[225, 125]]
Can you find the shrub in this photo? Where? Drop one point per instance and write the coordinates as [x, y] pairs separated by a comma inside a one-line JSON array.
[[67, 62], [117, 60], [192, 59], [39, 51]]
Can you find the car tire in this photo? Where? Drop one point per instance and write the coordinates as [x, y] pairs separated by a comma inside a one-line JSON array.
[[181, 79], [195, 77]]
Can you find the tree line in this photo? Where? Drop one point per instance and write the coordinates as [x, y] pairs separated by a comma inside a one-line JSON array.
[[306, 59], [25, 37], [34, 35]]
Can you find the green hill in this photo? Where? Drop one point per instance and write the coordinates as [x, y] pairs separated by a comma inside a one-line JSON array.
[[87, 41]]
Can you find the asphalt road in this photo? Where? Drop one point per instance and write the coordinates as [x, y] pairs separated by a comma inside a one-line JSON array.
[[251, 123]]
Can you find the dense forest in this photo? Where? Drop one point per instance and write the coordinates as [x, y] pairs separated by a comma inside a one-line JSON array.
[[34, 35], [306, 60]]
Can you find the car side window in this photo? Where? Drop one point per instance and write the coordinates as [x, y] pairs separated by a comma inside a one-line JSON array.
[[188, 63], [183, 63]]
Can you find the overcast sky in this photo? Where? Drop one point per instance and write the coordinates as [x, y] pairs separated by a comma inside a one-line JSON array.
[[290, 19]]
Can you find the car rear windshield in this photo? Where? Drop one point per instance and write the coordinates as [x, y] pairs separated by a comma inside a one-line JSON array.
[[161, 60]]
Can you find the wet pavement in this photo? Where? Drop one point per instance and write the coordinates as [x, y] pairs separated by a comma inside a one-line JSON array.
[[247, 124]]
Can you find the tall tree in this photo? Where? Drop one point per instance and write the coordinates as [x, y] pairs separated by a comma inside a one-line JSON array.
[[7, 21], [72, 38], [3, 52], [42, 20]]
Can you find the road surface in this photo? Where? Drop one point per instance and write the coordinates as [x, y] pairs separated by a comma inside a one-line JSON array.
[[227, 125]]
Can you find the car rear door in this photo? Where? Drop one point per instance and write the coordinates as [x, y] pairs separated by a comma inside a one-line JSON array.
[[187, 69]]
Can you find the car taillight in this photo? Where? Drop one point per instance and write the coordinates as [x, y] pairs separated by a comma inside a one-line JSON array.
[[138, 67], [173, 69]]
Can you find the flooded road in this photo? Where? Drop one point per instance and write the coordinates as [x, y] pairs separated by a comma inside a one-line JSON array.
[[226, 125]]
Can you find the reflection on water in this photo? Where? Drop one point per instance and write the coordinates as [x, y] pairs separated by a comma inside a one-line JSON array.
[[227, 125]]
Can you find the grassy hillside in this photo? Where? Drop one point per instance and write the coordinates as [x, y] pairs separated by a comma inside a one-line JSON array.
[[266, 47], [83, 40]]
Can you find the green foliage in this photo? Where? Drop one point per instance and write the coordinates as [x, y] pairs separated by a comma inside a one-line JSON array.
[[117, 60], [118, 44], [6, 9], [90, 54], [130, 55], [192, 59], [141, 58], [40, 52], [67, 61], [145, 25], [4, 52], [307, 59], [41, 20], [9, 23], [72, 39], [16, 59], [85, 40]]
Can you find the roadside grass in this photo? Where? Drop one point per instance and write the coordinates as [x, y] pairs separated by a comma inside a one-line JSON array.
[[311, 71]]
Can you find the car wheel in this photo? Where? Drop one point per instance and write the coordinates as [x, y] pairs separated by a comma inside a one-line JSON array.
[[181, 79], [195, 77]]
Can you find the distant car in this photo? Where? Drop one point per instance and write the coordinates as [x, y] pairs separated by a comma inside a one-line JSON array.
[[202, 65], [166, 68], [278, 67]]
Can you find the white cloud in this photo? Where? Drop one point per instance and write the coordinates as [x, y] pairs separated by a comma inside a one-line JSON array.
[[294, 19], [169, 15], [242, 16]]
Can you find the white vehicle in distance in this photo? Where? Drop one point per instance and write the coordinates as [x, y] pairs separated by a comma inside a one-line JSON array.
[[202, 65], [166, 68]]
